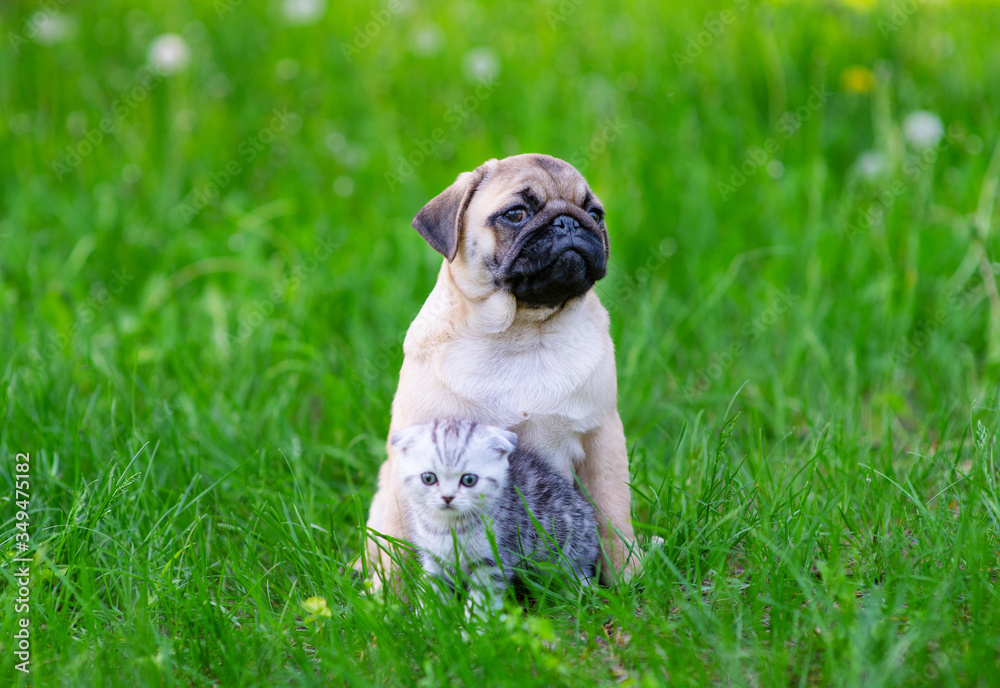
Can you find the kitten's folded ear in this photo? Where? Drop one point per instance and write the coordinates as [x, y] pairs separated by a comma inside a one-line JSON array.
[[502, 441], [405, 439]]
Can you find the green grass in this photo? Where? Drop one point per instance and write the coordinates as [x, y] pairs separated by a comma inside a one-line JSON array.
[[809, 397]]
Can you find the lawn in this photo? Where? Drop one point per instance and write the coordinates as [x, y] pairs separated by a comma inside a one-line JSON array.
[[207, 268]]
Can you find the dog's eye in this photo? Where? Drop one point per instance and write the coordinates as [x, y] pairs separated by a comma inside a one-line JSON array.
[[516, 215], [428, 478], [596, 214], [469, 479]]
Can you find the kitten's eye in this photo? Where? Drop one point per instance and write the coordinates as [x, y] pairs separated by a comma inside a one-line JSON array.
[[428, 478], [516, 215], [596, 214], [469, 479]]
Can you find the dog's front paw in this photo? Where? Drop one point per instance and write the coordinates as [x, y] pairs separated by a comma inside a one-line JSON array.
[[625, 564], [631, 568]]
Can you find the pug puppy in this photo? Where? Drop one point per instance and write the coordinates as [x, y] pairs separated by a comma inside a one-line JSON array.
[[514, 336]]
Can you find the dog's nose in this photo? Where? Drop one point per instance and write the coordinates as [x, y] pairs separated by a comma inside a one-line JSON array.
[[565, 222], [447, 500]]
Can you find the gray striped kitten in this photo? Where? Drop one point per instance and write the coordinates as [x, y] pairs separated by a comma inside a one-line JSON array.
[[457, 476]]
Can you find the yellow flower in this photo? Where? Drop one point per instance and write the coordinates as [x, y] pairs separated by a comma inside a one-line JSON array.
[[316, 606], [858, 79]]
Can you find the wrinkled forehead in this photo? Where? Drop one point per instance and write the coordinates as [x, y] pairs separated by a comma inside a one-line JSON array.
[[534, 181]]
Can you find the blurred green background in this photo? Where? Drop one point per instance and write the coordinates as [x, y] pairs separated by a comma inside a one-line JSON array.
[[207, 268]]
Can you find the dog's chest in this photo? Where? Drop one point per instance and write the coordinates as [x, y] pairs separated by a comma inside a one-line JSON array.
[[540, 387], [535, 373]]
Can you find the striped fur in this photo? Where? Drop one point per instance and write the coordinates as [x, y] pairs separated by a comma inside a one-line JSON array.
[[451, 523]]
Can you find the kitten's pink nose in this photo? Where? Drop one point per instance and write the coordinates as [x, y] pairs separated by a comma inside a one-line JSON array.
[[447, 500]]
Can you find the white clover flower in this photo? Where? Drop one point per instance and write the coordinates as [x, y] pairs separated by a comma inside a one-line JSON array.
[[336, 142], [287, 68], [870, 164], [428, 40], [49, 28], [481, 64], [922, 129], [168, 53], [303, 12], [343, 186]]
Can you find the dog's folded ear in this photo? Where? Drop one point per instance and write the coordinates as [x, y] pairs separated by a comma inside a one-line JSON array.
[[440, 221]]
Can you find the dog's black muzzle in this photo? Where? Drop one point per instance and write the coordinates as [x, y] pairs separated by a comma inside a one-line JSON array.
[[559, 255]]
